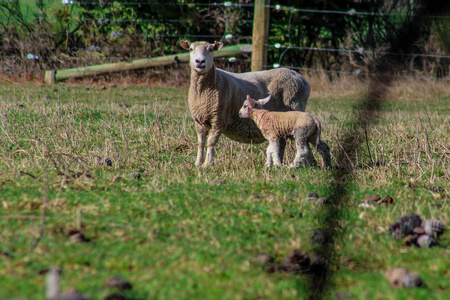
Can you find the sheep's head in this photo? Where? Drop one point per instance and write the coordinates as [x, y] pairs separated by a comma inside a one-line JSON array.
[[202, 57]]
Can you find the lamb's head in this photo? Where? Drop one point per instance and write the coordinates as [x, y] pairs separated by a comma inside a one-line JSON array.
[[250, 104], [202, 57], [247, 108]]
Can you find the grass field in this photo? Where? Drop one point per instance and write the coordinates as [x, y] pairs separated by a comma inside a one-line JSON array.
[[178, 232]]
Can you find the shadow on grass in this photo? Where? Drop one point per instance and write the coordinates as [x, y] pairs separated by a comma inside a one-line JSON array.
[[331, 216]]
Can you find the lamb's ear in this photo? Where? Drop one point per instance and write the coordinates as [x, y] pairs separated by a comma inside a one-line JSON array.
[[264, 101], [185, 44], [215, 47], [250, 101]]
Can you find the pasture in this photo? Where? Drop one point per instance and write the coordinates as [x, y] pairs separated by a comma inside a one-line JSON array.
[[178, 232]]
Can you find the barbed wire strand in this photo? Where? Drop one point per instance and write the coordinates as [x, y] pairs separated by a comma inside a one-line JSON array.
[[359, 51], [277, 7], [358, 74]]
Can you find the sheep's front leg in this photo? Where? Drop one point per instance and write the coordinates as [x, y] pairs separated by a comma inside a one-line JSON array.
[[273, 153], [212, 141], [201, 137]]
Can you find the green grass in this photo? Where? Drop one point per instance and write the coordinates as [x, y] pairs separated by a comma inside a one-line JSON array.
[[180, 232]]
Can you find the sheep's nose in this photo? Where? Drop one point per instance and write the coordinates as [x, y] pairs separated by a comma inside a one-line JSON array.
[[200, 61]]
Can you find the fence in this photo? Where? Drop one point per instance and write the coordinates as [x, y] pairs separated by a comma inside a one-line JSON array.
[[279, 47]]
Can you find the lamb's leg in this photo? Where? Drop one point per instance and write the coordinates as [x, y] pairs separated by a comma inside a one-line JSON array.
[[273, 151], [212, 141], [201, 137], [310, 161], [269, 160], [304, 155], [324, 151], [299, 159]]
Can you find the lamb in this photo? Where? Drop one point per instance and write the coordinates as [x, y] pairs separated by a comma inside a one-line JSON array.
[[301, 126], [215, 97]]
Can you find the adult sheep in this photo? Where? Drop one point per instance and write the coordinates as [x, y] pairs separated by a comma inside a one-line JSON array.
[[215, 97]]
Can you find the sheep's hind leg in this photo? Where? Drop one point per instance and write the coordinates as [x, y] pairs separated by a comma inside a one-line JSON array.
[[324, 151], [201, 137]]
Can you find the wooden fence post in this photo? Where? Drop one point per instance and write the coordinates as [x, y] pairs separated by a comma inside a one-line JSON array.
[[260, 34], [50, 77]]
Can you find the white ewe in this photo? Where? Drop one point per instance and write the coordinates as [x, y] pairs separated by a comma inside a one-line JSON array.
[[301, 126], [215, 97]]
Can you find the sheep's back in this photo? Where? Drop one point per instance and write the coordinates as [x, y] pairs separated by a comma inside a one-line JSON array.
[[289, 90]]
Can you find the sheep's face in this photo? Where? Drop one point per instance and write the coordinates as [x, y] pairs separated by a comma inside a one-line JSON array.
[[202, 57]]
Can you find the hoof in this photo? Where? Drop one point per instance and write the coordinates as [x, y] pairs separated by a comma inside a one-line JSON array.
[[206, 165], [298, 165]]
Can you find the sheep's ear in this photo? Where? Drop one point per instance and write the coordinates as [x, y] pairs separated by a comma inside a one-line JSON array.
[[185, 44], [264, 101], [215, 47]]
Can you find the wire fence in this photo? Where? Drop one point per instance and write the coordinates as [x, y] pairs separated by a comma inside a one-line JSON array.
[[81, 56], [277, 7]]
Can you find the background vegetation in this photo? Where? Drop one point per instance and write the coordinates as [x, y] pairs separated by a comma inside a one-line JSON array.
[[342, 36]]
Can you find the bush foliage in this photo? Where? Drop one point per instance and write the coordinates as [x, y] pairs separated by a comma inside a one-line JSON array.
[[99, 31]]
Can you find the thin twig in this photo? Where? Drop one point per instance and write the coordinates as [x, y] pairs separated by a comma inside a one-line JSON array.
[[25, 173]]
